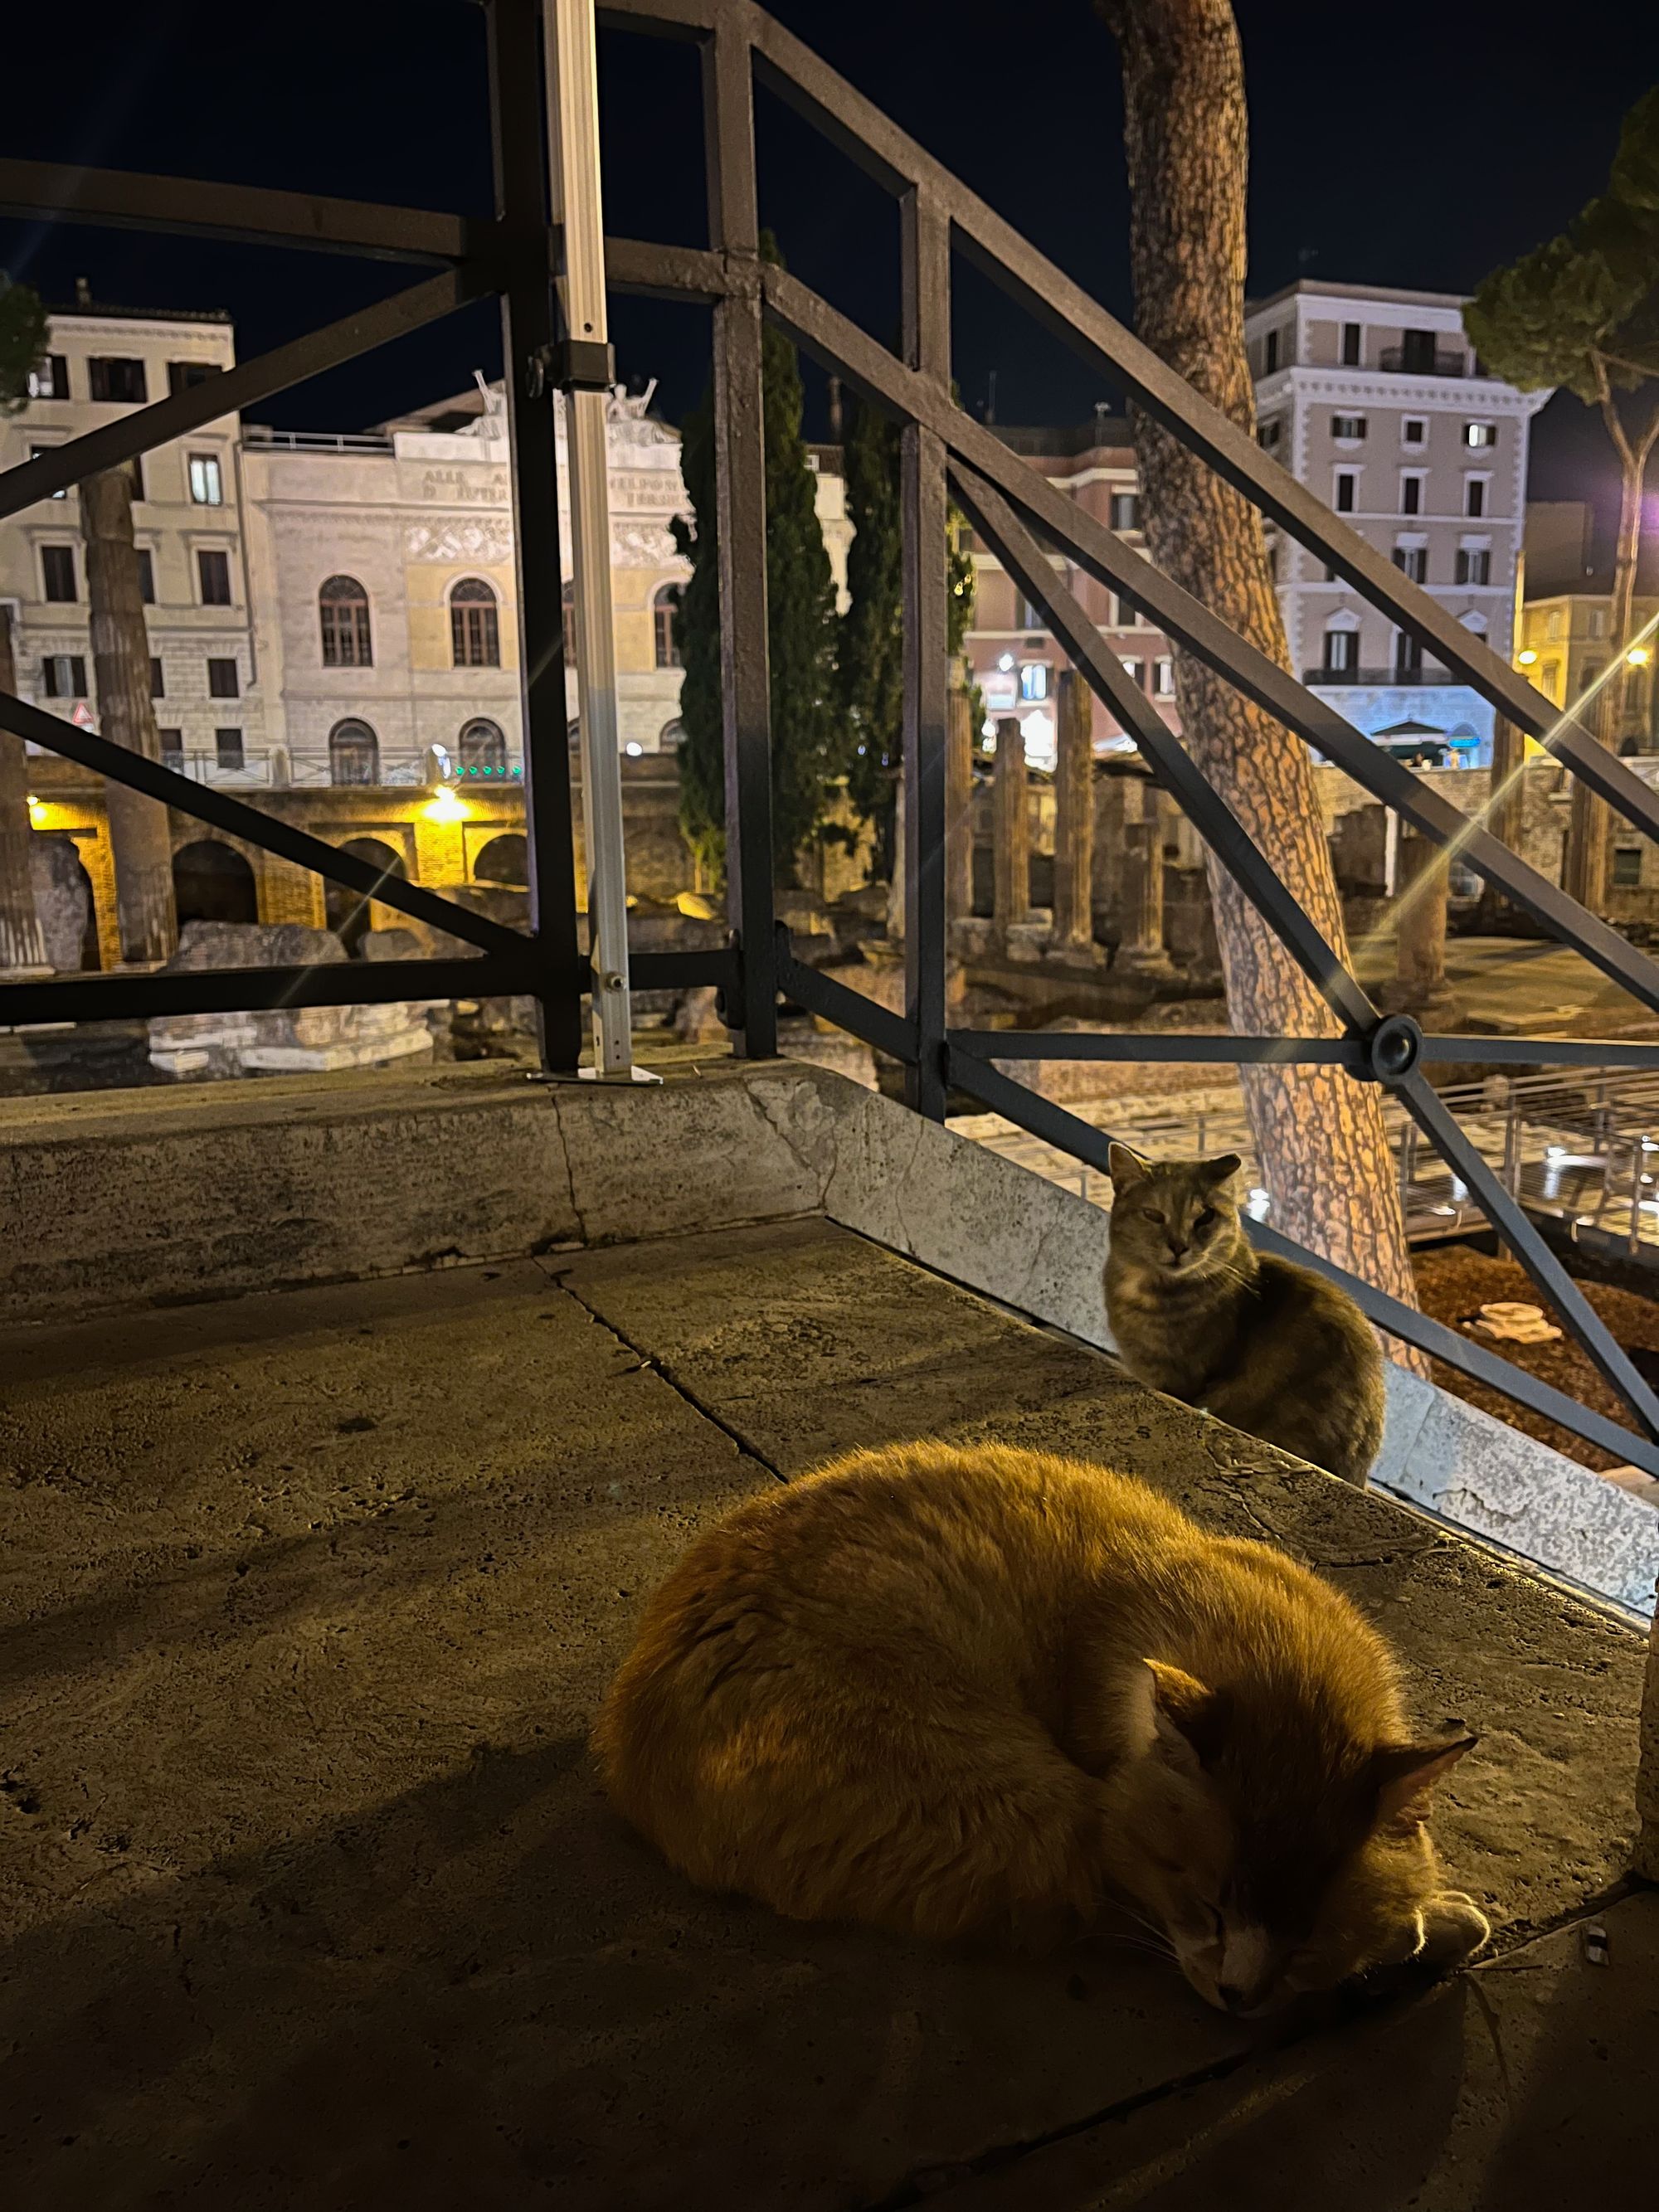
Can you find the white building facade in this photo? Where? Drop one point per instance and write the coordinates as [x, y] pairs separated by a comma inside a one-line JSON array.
[[189, 518], [1376, 400]]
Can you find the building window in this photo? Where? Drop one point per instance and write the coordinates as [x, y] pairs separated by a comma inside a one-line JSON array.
[[1126, 510], [1346, 484], [1552, 624], [1268, 434], [57, 574], [1412, 562], [111, 379], [1474, 496], [185, 375], [224, 681], [1411, 495], [35, 451], [1417, 353], [1598, 621], [1413, 430], [63, 676], [1136, 672], [1592, 675], [483, 750], [1626, 866], [342, 608], [207, 487], [172, 749], [1474, 564], [353, 754], [474, 631], [1034, 680], [147, 575], [1407, 657], [1342, 652], [1270, 353], [49, 379], [1550, 678], [1031, 615], [1480, 434], [665, 602], [135, 470], [213, 571], [1352, 342], [228, 749], [1164, 679], [1347, 426], [158, 688]]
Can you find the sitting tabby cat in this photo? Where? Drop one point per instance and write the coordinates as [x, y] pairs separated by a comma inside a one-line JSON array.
[[1256, 1340], [976, 1692]]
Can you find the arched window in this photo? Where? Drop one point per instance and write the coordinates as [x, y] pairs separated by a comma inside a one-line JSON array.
[[483, 750], [353, 754], [504, 860], [570, 612], [211, 882], [474, 631], [342, 605], [664, 604], [669, 735], [348, 913]]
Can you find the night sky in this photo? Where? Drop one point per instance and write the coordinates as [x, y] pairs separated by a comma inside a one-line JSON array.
[[1391, 144]]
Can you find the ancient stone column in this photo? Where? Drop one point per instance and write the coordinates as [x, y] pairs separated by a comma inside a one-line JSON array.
[[1140, 942], [1074, 817], [896, 884], [958, 805], [140, 845], [1421, 883], [22, 946], [1010, 830]]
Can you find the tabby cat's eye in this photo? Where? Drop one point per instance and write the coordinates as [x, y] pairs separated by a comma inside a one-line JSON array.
[[1152, 1214], [1203, 1219]]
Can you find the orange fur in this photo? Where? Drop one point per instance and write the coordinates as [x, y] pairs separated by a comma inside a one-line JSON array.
[[913, 1689]]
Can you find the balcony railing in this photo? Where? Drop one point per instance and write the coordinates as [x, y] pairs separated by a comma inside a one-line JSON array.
[[1423, 364], [280, 768], [1331, 678]]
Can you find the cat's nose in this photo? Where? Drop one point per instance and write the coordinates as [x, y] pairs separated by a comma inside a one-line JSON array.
[[1177, 1245]]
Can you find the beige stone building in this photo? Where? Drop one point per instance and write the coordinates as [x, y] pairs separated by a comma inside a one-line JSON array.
[[189, 521]]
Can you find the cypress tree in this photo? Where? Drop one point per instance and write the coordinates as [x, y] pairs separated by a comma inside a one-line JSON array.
[[800, 609]]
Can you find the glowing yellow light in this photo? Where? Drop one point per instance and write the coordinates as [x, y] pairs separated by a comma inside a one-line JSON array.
[[1639, 655], [1527, 658], [38, 811], [444, 806]]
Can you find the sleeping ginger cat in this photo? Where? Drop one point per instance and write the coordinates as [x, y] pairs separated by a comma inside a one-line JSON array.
[[963, 1691]]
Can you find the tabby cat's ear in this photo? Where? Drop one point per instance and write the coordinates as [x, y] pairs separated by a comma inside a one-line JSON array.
[[1405, 1775], [1188, 1721], [1124, 1166], [1220, 1170]]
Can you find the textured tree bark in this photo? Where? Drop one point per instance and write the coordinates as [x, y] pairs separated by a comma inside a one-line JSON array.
[[1319, 1135], [1074, 816], [22, 947], [140, 844], [1011, 829]]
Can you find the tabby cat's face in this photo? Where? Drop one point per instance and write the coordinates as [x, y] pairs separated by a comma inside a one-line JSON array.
[[1173, 1217]]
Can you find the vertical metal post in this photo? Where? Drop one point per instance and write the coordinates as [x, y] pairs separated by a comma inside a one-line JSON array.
[[515, 91], [740, 525], [925, 233], [572, 109]]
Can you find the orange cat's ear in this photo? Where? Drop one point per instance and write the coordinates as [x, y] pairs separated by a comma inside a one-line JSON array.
[[1188, 1722], [1124, 1166], [1405, 1775], [1220, 1170]]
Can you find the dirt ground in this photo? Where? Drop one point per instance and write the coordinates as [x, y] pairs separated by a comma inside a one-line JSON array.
[[1455, 1283]]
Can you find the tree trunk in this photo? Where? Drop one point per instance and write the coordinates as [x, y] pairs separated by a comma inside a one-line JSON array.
[[1319, 1135], [22, 946], [140, 845], [1615, 716]]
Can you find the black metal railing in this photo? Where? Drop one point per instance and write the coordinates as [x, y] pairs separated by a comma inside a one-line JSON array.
[[1015, 512]]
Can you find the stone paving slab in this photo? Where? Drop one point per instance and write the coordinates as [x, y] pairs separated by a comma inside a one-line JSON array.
[[756, 1322], [309, 1898]]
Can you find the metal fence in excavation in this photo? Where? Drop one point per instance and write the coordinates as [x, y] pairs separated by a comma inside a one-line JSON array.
[[945, 454]]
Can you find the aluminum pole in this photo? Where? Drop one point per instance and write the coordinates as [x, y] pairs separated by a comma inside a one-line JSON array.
[[574, 132]]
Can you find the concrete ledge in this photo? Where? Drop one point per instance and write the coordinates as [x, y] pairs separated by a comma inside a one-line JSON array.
[[115, 1199]]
